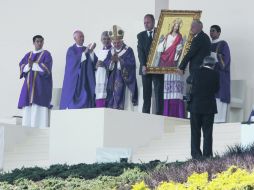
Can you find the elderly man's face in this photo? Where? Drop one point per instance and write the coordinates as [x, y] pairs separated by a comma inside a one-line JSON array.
[[38, 43], [195, 28], [106, 41], [117, 43], [79, 38]]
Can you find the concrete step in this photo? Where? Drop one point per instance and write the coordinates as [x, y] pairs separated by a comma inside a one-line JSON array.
[[32, 151], [25, 156], [19, 164], [175, 144]]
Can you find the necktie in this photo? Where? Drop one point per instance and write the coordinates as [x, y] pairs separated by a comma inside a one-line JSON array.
[[150, 38], [151, 35]]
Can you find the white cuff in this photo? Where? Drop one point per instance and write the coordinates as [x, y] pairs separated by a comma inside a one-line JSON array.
[[26, 68], [118, 65], [92, 56], [83, 57], [36, 67]]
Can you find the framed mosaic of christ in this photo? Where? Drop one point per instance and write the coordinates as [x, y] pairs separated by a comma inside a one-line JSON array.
[[171, 41]]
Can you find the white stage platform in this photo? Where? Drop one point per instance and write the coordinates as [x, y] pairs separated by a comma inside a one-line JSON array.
[[99, 134]]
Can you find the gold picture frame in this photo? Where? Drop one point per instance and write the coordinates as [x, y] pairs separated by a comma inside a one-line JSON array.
[[167, 50]]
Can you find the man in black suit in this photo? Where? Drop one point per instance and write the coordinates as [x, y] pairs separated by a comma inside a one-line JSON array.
[[144, 43], [205, 84], [200, 48]]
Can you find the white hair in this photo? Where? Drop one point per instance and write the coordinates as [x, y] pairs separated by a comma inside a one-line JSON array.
[[198, 22], [104, 34], [77, 31]]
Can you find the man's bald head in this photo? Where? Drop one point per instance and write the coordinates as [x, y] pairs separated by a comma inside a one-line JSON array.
[[79, 37], [196, 26]]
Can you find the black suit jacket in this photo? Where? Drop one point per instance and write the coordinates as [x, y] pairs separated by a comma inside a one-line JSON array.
[[144, 46], [199, 49], [204, 87]]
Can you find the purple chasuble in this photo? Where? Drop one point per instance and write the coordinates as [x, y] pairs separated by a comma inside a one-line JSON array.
[[223, 67], [119, 79], [37, 87], [78, 89]]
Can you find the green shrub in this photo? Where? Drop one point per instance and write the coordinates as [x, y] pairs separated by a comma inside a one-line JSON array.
[[83, 171], [124, 181]]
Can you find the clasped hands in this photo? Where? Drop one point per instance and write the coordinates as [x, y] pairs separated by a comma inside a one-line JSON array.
[[99, 64], [90, 48], [115, 58], [30, 62]]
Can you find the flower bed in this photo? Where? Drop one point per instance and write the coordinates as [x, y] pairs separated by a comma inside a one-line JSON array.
[[232, 179], [214, 173]]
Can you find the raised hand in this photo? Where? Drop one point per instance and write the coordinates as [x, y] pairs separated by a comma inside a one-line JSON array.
[[92, 46]]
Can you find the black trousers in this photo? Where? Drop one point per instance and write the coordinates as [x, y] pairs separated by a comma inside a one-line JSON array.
[[158, 82], [204, 122]]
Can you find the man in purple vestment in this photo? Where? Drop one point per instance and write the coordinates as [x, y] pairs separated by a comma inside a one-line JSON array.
[[36, 92], [122, 71], [220, 51], [79, 80]]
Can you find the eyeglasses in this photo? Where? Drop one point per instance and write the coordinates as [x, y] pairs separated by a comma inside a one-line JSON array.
[[212, 30]]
